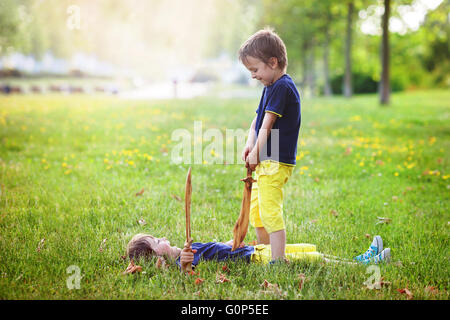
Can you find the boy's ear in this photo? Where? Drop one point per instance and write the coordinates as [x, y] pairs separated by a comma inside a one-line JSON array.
[[273, 62]]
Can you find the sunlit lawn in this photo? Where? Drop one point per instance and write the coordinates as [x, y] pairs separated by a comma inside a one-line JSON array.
[[71, 167]]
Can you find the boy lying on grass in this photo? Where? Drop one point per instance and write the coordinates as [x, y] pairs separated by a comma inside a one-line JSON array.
[[147, 246]]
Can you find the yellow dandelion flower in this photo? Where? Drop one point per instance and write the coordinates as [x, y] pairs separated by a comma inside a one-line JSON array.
[[411, 165], [396, 174], [64, 165], [355, 118]]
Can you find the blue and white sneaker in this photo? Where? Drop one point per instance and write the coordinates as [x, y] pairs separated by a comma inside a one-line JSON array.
[[383, 256], [375, 248]]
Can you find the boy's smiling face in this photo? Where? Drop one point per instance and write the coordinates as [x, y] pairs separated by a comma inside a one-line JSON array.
[[267, 74], [162, 247]]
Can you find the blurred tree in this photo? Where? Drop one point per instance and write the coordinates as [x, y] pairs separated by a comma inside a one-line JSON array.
[[348, 89], [436, 37], [385, 79]]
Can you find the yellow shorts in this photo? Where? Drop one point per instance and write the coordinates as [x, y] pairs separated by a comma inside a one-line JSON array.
[[298, 251], [266, 208]]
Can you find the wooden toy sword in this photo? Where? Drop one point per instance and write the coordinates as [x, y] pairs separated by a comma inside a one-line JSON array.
[[241, 226], [187, 203]]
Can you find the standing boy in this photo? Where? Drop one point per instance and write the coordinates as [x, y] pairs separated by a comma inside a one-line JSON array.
[[272, 143]]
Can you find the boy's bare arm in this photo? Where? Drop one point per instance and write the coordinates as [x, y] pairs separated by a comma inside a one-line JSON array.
[[252, 133], [264, 132], [250, 140]]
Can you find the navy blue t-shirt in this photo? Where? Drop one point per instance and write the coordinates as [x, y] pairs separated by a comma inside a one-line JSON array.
[[218, 251], [281, 98]]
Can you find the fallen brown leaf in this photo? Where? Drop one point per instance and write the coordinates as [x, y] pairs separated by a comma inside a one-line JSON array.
[[384, 220], [408, 293], [367, 236], [132, 268], [199, 280], [384, 283], [102, 245], [302, 278], [176, 197], [140, 192], [221, 278], [267, 285], [431, 289], [40, 245], [334, 213]]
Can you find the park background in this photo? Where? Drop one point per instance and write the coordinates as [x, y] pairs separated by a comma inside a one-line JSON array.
[[91, 92]]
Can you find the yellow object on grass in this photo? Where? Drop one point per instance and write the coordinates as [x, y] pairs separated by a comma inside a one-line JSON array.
[[297, 251]]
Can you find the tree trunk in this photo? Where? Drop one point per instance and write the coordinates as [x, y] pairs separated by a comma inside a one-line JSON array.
[[348, 90], [305, 64], [312, 69], [327, 88], [384, 84]]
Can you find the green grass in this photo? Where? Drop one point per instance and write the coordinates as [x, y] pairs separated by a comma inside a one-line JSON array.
[[70, 168]]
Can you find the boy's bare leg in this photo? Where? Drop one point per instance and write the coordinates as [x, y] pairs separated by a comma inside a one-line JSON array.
[[262, 236], [278, 244]]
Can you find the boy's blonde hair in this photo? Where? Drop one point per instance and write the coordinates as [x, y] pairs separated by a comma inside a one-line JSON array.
[[264, 45], [140, 247]]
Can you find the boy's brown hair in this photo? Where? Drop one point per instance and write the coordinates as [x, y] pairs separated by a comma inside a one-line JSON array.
[[264, 45], [140, 247]]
